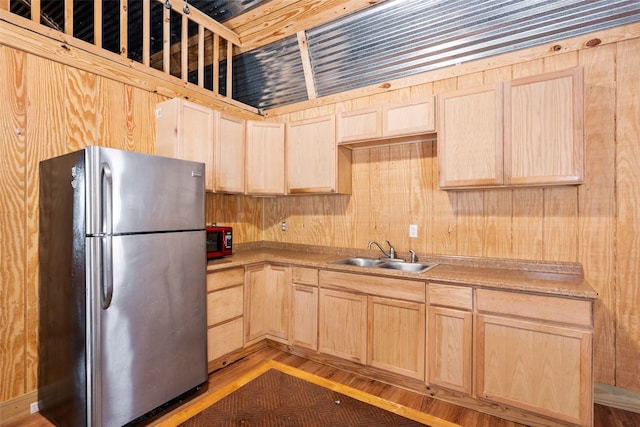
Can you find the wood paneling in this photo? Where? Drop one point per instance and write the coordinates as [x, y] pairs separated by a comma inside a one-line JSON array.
[[14, 210], [596, 201], [628, 208], [48, 109], [573, 223]]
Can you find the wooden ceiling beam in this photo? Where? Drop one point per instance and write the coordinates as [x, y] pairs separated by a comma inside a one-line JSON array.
[[279, 19]]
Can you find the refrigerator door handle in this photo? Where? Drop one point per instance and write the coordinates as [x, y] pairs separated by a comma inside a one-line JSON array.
[[106, 204], [106, 284], [106, 207]]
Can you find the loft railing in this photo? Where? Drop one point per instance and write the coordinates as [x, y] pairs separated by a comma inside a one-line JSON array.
[[168, 35]]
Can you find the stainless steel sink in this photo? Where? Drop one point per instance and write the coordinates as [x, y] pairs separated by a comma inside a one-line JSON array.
[[411, 267], [360, 262]]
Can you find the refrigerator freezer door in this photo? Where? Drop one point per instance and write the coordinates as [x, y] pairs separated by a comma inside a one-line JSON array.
[[136, 193], [151, 339]]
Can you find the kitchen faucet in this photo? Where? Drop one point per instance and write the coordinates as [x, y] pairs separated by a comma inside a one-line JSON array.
[[392, 252]]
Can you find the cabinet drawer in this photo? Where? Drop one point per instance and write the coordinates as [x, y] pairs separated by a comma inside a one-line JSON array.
[[555, 309], [410, 290], [224, 339], [224, 305], [225, 278], [304, 276], [451, 296]]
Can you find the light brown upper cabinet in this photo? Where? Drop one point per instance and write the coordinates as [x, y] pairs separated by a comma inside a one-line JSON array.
[[523, 132], [265, 158], [184, 130], [229, 138], [389, 123], [314, 163]]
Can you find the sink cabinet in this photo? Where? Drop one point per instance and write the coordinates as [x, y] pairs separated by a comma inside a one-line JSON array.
[[266, 302], [450, 337], [373, 320], [396, 336], [343, 325], [225, 308]]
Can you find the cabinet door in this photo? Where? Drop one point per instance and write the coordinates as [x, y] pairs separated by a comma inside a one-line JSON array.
[[544, 136], [314, 163], [450, 344], [184, 130], [359, 125], [470, 137], [265, 158], [343, 325], [397, 336], [409, 117], [229, 153], [266, 303], [303, 325], [540, 367]]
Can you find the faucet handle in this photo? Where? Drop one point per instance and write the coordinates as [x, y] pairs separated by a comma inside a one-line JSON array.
[[392, 251]]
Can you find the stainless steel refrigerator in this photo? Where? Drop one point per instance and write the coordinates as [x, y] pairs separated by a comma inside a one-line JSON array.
[[122, 295]]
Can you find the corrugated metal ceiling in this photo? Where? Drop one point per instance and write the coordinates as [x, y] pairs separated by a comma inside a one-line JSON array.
[[398, 38], [386, 41]]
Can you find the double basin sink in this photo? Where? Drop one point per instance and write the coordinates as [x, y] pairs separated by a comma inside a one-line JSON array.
[[390, 264]]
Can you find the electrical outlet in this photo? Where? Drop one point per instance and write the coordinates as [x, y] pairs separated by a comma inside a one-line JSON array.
[[34, 407], [413, 230], [284, 225]]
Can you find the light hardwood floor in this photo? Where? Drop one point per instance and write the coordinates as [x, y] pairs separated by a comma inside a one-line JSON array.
[[603, 416]]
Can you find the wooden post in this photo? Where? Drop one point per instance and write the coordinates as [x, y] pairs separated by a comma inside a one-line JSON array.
[[35, 11], [124, 27], [200, 56], [146, 32], [166, 40], [68, 17], [97, 23], [184, 49]]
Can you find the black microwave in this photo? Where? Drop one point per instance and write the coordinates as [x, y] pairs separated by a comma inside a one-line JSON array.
[[219, 241]]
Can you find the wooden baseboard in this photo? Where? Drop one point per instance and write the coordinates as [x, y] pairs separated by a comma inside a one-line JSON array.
[[616, 397], [17, 407]]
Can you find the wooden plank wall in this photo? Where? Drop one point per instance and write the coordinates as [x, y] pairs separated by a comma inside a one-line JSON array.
[[49, 108], [596, 224]]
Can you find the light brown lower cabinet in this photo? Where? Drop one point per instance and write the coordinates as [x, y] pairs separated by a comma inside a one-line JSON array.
[[343, 325], [450, 337], [396, 336], [225, 305], [450, 342], [303, 323], [266, 302], [535, 352], [373, 320]]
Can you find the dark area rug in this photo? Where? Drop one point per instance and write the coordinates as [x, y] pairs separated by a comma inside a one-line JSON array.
[[278, 399]]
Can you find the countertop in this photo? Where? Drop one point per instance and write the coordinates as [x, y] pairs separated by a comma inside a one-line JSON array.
[[562, 279]]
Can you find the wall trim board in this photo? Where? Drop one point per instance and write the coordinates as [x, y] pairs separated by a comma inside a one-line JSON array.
[[21, 34], [17, 407], [616, 397]]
